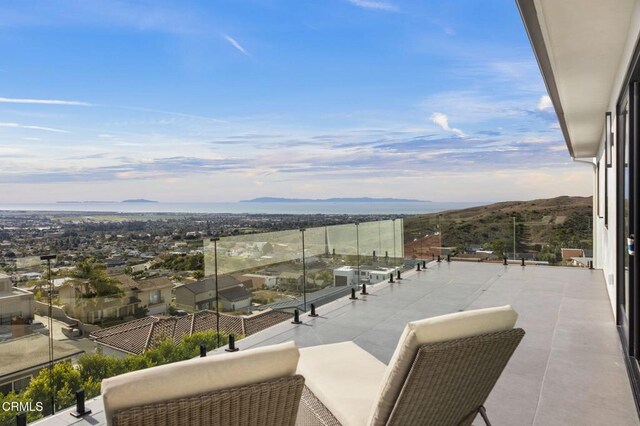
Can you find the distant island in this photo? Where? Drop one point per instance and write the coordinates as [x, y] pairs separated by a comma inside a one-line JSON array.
[[139, 200], [332, 200]]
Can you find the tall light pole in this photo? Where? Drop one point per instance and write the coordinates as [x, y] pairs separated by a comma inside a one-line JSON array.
[[304, 273], [215, 272], [358, 249], [52, 389]]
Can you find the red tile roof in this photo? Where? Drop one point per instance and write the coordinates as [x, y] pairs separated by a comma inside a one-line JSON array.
[[138, 335]]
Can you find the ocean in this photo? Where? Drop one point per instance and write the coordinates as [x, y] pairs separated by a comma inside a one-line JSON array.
[[355, 208]]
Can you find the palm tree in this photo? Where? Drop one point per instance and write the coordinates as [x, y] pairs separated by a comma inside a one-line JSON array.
[[92, 277]]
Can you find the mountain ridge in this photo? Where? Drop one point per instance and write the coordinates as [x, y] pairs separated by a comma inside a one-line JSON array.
[[332, 200]]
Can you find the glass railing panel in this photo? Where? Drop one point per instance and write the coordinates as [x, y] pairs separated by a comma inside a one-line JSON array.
[[423, 238], [549, 240], [291, 269], [376, 248], [268, 265]]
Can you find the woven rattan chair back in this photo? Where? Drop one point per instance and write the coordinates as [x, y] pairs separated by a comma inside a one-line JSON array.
[[449, 381], [274, 402]]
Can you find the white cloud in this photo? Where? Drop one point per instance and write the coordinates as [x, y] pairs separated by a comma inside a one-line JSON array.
[[443, 121], [235, 44], [371, 4], [42, 101], [544, 103], [22, 126]]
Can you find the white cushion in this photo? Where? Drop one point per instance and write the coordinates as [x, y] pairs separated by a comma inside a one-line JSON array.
[[195, 376], [432, 330], [344, 377]]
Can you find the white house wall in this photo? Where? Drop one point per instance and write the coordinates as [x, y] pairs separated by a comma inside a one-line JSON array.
[[605, 236]]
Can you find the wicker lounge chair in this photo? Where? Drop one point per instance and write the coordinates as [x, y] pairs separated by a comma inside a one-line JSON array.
[[254, 387], [441, 373]]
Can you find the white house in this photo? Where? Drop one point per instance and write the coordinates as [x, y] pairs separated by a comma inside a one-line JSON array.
[[589, 56], [348, 275], [16, 305]]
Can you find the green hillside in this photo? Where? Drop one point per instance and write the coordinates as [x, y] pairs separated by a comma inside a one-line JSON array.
[[541, 226]]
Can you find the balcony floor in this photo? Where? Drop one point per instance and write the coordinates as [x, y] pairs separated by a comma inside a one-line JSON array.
[[569, 368]]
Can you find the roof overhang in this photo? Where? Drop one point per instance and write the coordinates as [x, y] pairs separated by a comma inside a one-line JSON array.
[[579, 45]]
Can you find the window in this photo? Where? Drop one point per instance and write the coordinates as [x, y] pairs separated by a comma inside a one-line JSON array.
[[21, 384], [155, 297], [5, 389]]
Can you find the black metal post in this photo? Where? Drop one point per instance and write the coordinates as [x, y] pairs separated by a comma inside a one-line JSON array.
[[358, 250], [304, 274], [52, 386], [80, 408], [203, 350], [296, 317], [448, 257], [232, 344], [399, 277], [364, 289], [391, 278], [505, 260], [439, 260], [418, 266], [523, 261], [215, 271], [21, 419], [424, 264], [313, 311], [353, 294], [483, 414]]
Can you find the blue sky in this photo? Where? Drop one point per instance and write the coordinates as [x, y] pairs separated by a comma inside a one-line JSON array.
[[234, 99]]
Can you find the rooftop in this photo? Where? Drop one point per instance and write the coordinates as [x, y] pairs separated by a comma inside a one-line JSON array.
[[136, 336], [32, 351], [569, 369], [209, 284]]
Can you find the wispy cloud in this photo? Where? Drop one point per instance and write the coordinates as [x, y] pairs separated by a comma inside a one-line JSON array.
[[545, 103], [232, 41], [23, 126], [42, 102], [443, 121], [372, 4]]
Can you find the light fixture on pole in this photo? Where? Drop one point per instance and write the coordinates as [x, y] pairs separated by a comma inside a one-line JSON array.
[[49, 258], [215, 240]]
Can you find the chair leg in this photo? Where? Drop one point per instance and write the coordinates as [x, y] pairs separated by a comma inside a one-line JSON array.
[[483, 413]]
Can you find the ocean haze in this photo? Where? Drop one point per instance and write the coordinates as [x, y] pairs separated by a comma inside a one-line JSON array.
[[313, 207]]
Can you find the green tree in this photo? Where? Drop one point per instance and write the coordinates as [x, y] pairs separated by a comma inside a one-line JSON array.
[[66, 380], [92, 277], [8, 412]]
